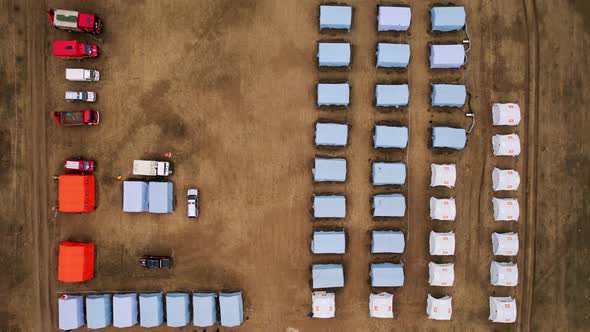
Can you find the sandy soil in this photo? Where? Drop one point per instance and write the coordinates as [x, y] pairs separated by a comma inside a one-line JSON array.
[[229, 90]]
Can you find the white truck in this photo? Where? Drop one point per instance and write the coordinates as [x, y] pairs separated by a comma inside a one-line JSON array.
[[87, 96], [151, 168], [82, 75]]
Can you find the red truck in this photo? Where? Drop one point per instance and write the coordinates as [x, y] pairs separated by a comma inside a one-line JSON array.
[[70, 20], [77, 118], [73, 49]]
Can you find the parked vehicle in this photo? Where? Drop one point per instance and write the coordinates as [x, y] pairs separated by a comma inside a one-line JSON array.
[[79, 165], [192, 198], [86, 96], [155, 262], [73, 49], [81, 75], [151, 168], [74, 21], [77, 118]]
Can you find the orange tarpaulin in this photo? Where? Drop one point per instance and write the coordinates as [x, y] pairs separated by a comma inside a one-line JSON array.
[[76, 193], [75, 262]]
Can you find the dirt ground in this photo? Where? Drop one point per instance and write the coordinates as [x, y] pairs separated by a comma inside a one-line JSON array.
[[229, 88]]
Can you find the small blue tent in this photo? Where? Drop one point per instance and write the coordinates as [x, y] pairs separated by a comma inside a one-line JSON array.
[[333, 242], [451, 138], [390, 137], [327, 276], [231, 308], [151, 310], [204, 309], [177, 309], [390, 242], [389, 205], [333, 94], [448, 95], [99, 311], [335, 17], [447, 18], [387, 275], [393, 55], [392, 95]]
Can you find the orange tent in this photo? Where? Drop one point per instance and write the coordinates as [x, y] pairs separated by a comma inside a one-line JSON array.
[[75, 262], [76, 193]]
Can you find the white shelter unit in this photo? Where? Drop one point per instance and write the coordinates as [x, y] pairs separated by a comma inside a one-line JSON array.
[[390, 137], [505, 179], [124, 310], [329, 170], [447, 18], [331, 206], [177, 309], [327, 276], [204, 309], [151, 310], [504, 274], [99, 311], [332, 242], [502, 309], [135, 196], [443, 208], [441, 274], [389, 173], [392, 95], [231, 309], [442, 244], [331, 134], [443, 175], [387, 242], [161, 197], [505, 244], [333, 94], [393, 55], [323, 304], [387, 275], [448, 95], [381, 305], [71, 312], [449, 138], [505, 114], [335, 17], [389, 205], [334, 54], [439, 309], [447, 56], [505, 209], [394, 18], [506, 145]]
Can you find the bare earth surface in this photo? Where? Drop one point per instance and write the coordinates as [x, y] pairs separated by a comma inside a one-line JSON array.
[[229, 88]]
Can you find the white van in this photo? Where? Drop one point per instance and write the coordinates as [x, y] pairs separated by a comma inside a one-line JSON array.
[[82, 75], [87, 96], [192, 199]]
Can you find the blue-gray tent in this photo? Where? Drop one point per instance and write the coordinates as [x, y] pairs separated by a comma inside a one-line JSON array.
[[390, 137], [389, 173], [331, 134], [329, 170], [387, 275], [448, 95], [204, 309], [333, 242], [389, 205], [388, 242], [329, 206], [333, 94], [231, 308], [135, 196], [327, 276], [151, 310], [335, 17], [393, 55], [161, 197], [392, 95], [446, 137], [177, 309], [99, 311], [447, 18], [334, 54]]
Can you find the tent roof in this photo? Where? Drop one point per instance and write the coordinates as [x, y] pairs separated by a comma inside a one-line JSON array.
[[387, 275], [505, 209], [177, 309], [443, 175], [204, 309], [329, 170], [99, 311], [333, 242], [71, 312], [124, 310], [439, 309], [389, 173], [334, 54], [502, 309], [231, 309], [335, 17], [135, 196], [323, 304], [442, 244], [504, 274], [447, 18], [451, 138], [505, 114], [75, 262], [392, 95], [389, 205], [76, 193], [391, 137], [327, 276], [447, 56], [381, 305], [506, 145], [505, 179], [333, 94], [335, 134], [442, 208], [388, 242], [151, 310], [161, 196], [441, 274], [393, 55], [394, 18], [448, 95], [505, 244], [331, 206]]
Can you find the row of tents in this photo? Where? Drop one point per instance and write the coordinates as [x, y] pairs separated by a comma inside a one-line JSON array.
[[383, 205], [334, 170], [150, 310], [152, 197], [385, 136], [334, 242]]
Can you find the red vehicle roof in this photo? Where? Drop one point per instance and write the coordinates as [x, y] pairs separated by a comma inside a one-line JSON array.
[[76, 193], [85, 21], [66, 48], [75, 262]]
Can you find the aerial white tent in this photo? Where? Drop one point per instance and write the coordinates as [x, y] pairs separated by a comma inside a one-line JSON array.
[[506, 145], [334, 54], [124, 310], [387, 275], [231, 309], [381, 305], [329, 206], [329, 170], [387, 137], [151, 310], [506, 209], [393, 55], [394, 18], [502, 309], [323, 305], [135, 196], [504, 274], [448, 95], [328, 242], [177, 309], [442, 208], [447, 56], [505, 244], [327, 276], [392, 95], [204, 309], [441, 274], [449, 138], [389, 205], [505, 179], [333, 94], [99, 311], [439, 309], [447, 18], [442, 244], [335, 17], [505, 114], [389, 173], [331, 134], [387, 242], [71, 312], [160, 197], [444, 175]]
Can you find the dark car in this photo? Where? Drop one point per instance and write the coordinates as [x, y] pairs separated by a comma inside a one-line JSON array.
[[155, 262]]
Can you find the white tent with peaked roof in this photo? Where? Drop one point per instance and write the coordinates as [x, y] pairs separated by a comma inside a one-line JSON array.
[[506, 209], [502, 309], [505, 244], [444, 175], [441, 274], [442, 244], [506, 145], [323, 305], [505, 179], [439, 309], [381, 305], [505, 114], [504, 274], [443, 209]]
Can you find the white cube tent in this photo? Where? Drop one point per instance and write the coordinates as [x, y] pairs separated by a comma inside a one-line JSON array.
[[333, 94], [334, 54], [329, 206], [331, 134], [389, 205], [502, 309], [446, 19], [447, 56], [505, 114], [443, 175], [392, 95], [327, 276], [151, 310], [390, 137], [329, 170], [385, 173], [449, 138], [323, 304], [504, 274], [505, 209], [442, 275], [505, 179], [505, 244], [448, 95], [328, 242], [381, 305], [443, 209], [394, 18], [442, 244], [387, 242], [387, 275], [335, 17], [506, 145], [71, 312], [393, 55], [439, 309]]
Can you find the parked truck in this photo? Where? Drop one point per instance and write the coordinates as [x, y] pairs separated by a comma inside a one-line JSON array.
[[82, 75], [151, 168], [83, 96], [73, 49], [74, 21], [77, 118]]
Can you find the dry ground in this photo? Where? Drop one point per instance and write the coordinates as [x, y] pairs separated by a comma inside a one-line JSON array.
[[228, 88]]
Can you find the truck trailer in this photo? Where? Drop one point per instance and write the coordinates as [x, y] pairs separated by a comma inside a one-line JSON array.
[[82, 75], [73, 21], [151, 168]]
